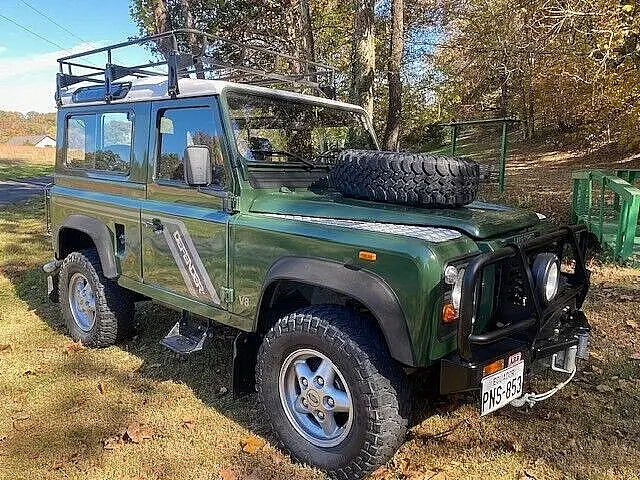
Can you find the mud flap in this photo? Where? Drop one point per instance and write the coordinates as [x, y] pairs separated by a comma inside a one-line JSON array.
[[245, 352]]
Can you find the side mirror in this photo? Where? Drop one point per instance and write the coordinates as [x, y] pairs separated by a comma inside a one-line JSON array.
[[197, 165]]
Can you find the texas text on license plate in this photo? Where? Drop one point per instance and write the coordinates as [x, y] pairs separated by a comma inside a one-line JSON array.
[[500, 388]]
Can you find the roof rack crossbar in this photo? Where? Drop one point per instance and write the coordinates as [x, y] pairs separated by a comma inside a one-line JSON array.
[[177, 63]]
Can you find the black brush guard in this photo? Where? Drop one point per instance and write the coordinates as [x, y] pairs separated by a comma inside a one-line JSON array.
[[463, 371], [575, 287]]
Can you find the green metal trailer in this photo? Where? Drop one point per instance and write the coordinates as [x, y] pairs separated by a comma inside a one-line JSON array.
[[608, 203]]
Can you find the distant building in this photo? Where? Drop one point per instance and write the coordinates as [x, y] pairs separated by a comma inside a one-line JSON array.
[[40, 141]]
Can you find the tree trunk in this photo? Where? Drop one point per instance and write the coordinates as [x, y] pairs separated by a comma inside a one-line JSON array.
[[307, 42], [363, 59], [394, 112], [192, 39], [162, 23], [292, 21]]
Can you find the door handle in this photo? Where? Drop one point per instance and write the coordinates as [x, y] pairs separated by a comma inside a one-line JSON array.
[[154, 224]]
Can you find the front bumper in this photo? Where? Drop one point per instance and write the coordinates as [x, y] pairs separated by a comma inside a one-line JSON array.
[[543, 330], [460, 375]]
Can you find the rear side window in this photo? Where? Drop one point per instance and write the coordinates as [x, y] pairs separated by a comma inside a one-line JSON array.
[[101, 141], [183, 127]]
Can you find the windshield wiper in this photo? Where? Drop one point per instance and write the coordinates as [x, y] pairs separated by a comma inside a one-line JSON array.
[[287, 154]]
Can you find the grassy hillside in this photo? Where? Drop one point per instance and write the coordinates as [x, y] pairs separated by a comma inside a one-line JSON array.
[[32, 123]]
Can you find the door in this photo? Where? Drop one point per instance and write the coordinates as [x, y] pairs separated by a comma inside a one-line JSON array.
[[185, 229]]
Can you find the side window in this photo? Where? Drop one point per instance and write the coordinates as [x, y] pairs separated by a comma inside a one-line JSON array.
[[180, 128], [81, 141], [100, 142], [114, 152]]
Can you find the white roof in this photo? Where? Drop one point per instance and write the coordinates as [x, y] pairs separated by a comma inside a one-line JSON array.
[[155, 88]]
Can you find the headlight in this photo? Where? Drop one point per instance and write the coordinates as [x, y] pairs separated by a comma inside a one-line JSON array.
[[546, 274]]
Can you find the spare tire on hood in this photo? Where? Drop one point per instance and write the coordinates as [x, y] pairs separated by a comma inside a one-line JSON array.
[[421, 179]]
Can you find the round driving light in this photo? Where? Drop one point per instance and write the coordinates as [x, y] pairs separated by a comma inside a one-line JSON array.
[[546, 274], [456, 293]]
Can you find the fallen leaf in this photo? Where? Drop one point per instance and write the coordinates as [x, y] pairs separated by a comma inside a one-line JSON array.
[[6, 347], [228, 474], [102, 388], [189, 423], [528, 475], [604, 388], [635, 356], [631, 324], [252, 444], [223, 391], [74, 347], [597, 370], [112, 443], [403, 465], [517, 446], [137, 432], [29, 372]]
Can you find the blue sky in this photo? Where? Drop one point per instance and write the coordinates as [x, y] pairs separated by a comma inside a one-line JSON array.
[[27, 63]]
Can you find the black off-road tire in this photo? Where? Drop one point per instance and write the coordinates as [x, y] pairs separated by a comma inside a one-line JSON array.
[[378, 385], [422, 179], [115, 306]]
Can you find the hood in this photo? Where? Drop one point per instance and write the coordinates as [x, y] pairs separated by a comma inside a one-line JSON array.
[[478, 220]]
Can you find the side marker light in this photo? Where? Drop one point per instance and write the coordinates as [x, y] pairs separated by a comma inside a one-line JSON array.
[[368, 256]]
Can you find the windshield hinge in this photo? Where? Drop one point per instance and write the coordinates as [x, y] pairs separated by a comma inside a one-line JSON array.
[[227, 295]]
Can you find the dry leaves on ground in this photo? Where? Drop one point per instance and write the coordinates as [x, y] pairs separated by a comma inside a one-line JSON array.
[[604, 388], [252, 444], [74, 347], [189, 423], [228, 474], [135, 433]]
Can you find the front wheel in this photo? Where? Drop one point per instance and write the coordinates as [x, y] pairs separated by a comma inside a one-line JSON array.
[[331, 392]]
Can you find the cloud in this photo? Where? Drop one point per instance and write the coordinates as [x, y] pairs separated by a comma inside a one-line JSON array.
[[28, 82], [37, 63]]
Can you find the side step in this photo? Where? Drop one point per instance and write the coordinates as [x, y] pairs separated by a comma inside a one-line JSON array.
[[188, 335]]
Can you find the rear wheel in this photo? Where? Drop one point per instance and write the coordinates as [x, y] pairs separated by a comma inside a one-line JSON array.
[[331, 392], [96, 310]]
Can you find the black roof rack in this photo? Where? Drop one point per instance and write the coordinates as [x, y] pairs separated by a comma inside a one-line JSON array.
[[214, 58]]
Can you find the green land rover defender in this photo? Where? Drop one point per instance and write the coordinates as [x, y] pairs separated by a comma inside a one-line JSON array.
[[214, 187]]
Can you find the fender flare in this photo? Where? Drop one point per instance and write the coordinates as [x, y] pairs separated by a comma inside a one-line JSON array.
[[366, 287], [100, 234]]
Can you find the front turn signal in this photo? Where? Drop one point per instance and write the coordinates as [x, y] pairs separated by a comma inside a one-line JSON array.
[[449, 313], [493, 367]]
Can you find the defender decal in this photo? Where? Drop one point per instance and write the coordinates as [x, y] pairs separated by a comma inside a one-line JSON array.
[[189, 263]]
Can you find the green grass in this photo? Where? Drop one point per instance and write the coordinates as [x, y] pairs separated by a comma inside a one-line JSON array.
[[10, 170]]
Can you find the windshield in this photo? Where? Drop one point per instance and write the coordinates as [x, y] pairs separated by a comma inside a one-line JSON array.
[[278, 131]]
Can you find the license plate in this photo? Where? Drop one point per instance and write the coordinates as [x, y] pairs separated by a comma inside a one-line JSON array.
[[500, 388]]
